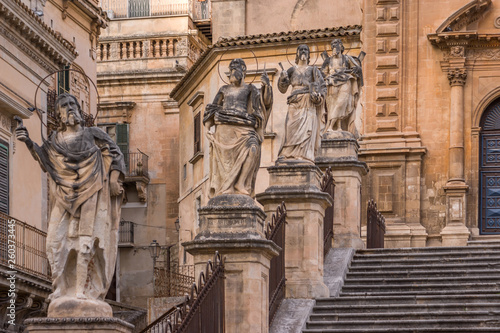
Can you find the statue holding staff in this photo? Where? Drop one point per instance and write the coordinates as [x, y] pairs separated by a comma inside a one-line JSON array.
[[85, 168]]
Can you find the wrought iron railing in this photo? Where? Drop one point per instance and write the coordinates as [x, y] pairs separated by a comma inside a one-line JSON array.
[[144, 8], [126, 233], [22, 247], [328, 186], [137, 164], [275, 231], [375, 227], [203, 310], [176, 281]]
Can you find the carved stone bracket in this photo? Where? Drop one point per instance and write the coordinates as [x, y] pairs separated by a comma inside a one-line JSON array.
[[457, 51], [457, 76], [142, 190]]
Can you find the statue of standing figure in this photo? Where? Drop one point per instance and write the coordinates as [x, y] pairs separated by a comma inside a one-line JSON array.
[[305, 108], [85, 167], [239, 113], [344, 79]]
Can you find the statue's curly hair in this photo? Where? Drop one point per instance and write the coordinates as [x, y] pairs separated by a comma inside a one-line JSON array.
[[238, 62]]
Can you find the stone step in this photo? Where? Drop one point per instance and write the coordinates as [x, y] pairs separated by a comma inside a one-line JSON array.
[[490, 251], [429, 279], [490, 246], [483, 243], [430, 268], [423, 273], [417, 291], [408, 315], [371, 308], [423, 261], [407, 329], [397, 324], [378, 300]]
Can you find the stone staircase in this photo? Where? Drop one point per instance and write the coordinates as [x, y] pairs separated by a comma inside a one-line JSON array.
[[441, 289]]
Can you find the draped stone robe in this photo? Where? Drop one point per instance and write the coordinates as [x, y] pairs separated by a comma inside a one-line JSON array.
[[81, 205], [240, 116], [302, 125]]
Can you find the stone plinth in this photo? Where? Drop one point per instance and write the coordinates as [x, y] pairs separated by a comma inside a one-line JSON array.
[[78, 325], [339, 150], [234, 226], [456, 232], [298, 185]]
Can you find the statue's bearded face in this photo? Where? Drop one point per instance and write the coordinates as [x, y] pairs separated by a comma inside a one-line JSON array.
[[303, 53], [337, 47], [69, 111], [237, 75]]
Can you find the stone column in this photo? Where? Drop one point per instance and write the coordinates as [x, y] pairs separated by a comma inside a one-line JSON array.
[[456, 233], [298, 185], [234, 225], [339, 150]]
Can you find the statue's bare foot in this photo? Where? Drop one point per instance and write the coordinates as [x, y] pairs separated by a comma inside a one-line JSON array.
[[81, 296]]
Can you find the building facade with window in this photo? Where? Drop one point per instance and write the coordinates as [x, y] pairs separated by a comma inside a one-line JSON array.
[[37, 39], [146, 50]]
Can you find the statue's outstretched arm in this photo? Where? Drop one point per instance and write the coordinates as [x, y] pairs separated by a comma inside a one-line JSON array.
[[35, 150]]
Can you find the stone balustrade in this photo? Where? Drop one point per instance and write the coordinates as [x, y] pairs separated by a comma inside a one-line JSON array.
[[141, 49]]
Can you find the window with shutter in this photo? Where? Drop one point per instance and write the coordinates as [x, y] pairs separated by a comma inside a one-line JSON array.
[[63, 81], [122, 140], [197, 133], [4, 177]]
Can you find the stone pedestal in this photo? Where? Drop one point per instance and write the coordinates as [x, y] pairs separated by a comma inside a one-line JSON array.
[[298, 185], [339, 150], [456, 232], [78, 325], [234, 225]]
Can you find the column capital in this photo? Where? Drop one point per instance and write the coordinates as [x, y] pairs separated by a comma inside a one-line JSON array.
[[457, 76]]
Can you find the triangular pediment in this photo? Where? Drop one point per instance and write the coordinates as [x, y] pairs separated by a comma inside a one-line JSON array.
[[465, 16]]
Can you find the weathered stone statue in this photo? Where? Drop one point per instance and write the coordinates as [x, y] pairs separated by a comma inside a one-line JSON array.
[[344, 79], [305, 108], [239, 112], [85, 166]]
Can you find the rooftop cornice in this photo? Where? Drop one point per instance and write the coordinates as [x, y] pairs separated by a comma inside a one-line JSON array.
[[30, 30], [91, 9], [263, 39]]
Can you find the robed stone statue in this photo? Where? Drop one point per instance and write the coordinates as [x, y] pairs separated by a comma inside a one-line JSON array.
[[344, 79], [235, 123], [305, 108], [85, 168]]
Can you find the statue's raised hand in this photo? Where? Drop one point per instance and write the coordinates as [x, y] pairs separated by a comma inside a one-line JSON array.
[[21, 131], [264, 79]]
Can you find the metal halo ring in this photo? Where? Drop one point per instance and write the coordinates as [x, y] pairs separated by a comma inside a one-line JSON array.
[[220, 59], [59, 71], [315, 60]]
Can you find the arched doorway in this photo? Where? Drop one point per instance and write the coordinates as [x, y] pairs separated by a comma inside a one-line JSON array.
[[489, 170]]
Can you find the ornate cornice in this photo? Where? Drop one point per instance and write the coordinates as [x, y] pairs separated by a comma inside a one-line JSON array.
[[28, 32], [457, 76], [468, 14]]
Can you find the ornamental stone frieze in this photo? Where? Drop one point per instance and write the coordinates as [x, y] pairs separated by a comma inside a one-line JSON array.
[[457, 76], [28, 32]]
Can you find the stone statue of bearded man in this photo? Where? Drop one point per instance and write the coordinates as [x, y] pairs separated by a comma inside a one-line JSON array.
[[85, 166]]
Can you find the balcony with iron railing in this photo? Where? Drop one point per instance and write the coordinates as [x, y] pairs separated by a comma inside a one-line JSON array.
[[118, 9], [22, 248]]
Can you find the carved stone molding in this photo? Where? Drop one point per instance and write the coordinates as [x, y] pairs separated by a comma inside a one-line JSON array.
[[457, 76], [457, 51]]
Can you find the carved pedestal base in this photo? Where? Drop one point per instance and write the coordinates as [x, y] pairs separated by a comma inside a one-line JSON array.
[[456, 232], [234, 226], [299, 187], [339, 150], [78, 325], [73, 307]]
